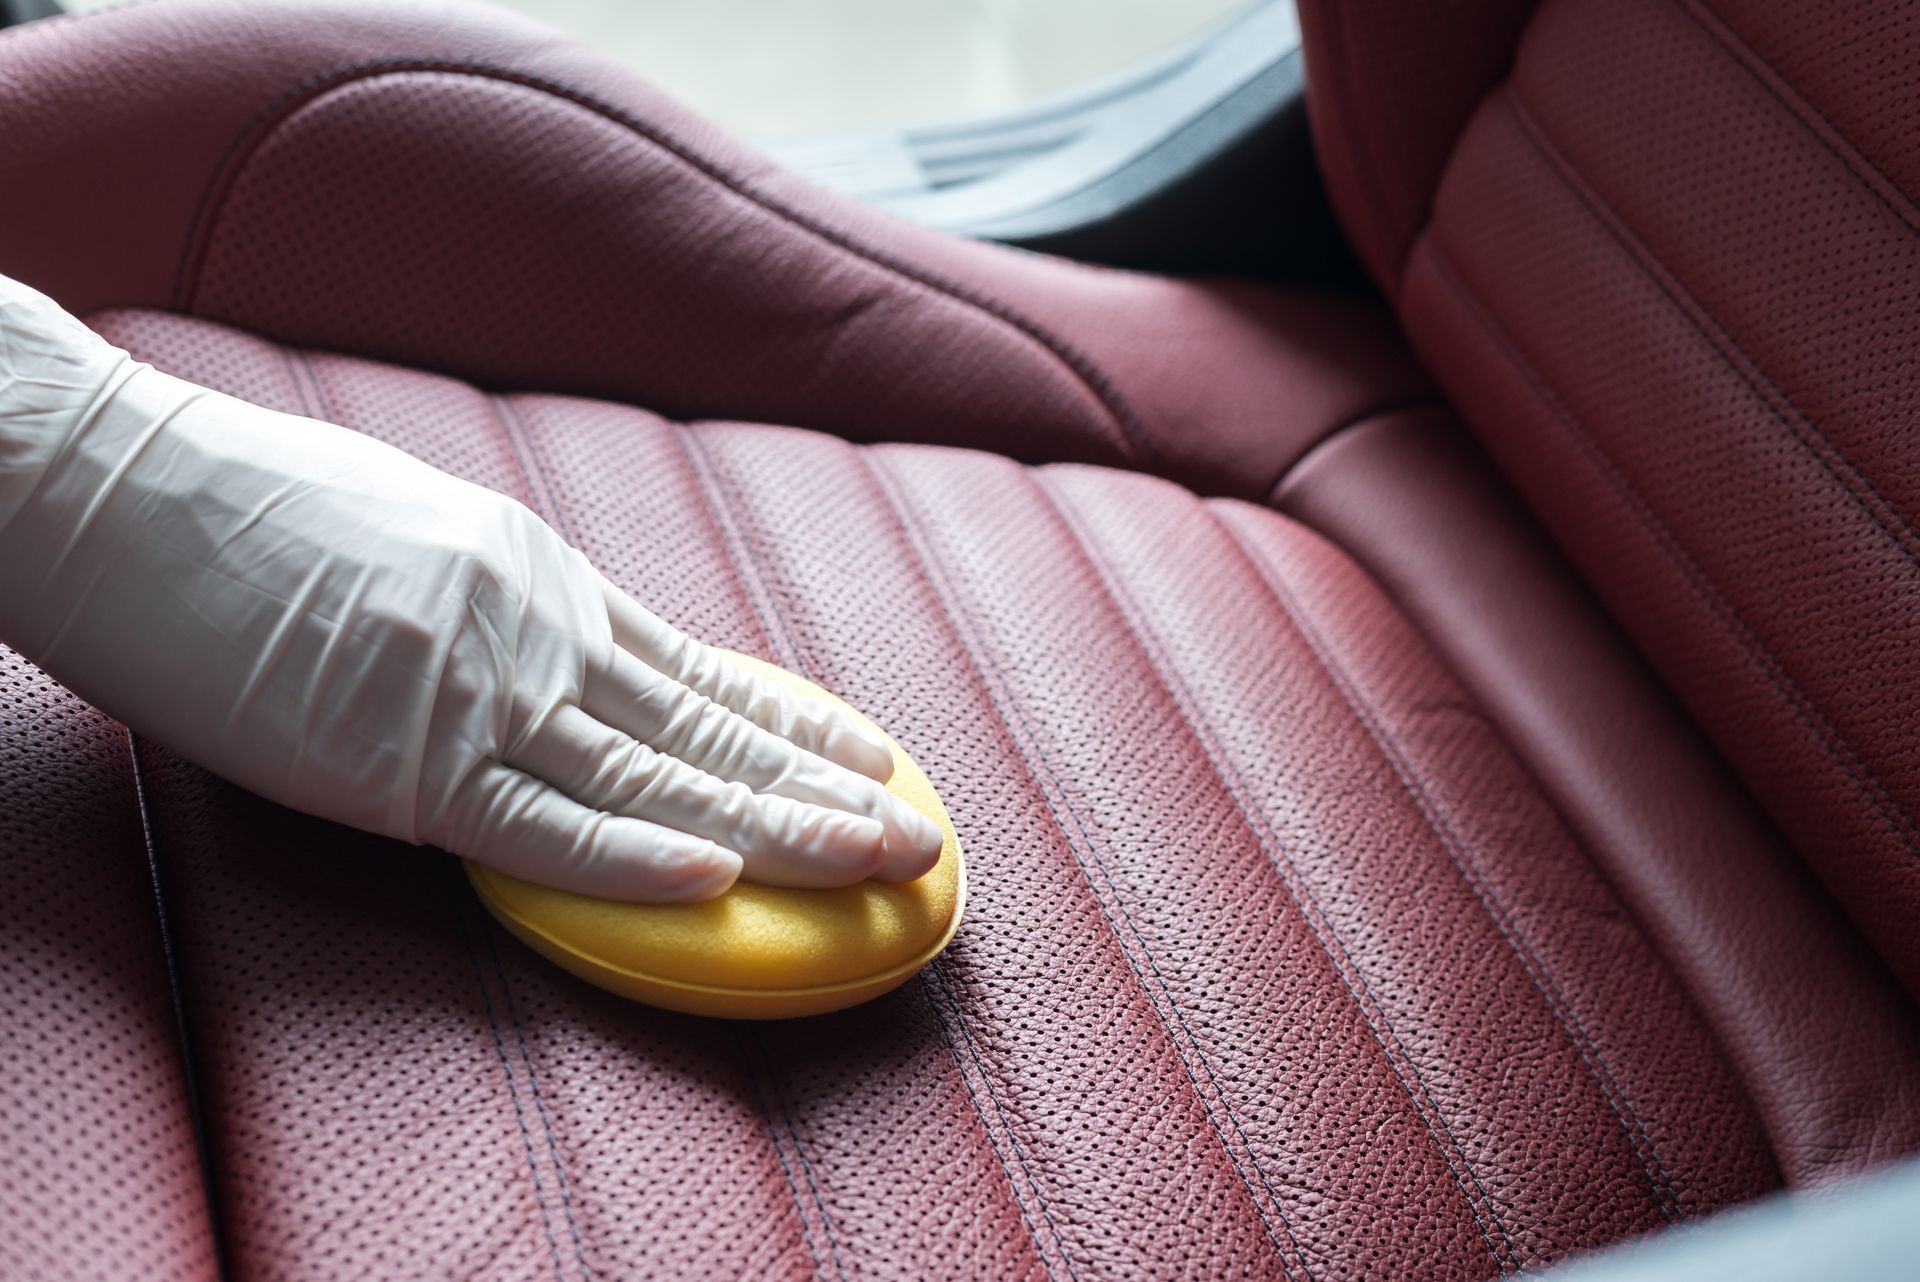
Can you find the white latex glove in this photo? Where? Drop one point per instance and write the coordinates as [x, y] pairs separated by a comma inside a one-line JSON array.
[[339, 627]]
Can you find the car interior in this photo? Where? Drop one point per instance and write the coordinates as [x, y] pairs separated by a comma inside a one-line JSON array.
[[1391, 530]]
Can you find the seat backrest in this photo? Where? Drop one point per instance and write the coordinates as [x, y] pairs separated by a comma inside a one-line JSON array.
[[1665, 256]]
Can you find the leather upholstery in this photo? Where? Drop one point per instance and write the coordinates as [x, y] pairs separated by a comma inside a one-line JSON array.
[[1664, 267], [1349, 899], [99, 1171], [1268, 922]]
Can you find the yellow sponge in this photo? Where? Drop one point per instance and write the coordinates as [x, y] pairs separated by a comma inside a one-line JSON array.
[[756, 952]]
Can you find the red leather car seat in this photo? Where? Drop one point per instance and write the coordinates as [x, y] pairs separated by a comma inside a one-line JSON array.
[[1352, 898]]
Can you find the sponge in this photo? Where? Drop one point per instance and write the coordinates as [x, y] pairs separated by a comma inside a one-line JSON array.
[[756, 952]]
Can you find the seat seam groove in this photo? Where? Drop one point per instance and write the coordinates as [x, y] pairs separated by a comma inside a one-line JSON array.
[[1437, 821], [1797, 103], [1128, 427], [751, 1034], [764, 1106], [307, 399], [506, 1069], [754, 589], [539, 1104], [937, 970], [1831, 458], [176, 991], [536, 473], [532, 468], [1692, 574], [768, 615], [1254, 817], [1066, 817]]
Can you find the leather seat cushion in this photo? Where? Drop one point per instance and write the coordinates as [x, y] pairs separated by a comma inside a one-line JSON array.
[[1279, 960]]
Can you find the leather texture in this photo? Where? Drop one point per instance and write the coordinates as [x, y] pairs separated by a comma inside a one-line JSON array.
[[1277, 959], [1348, 898], [1662, 265], [99, 1170]]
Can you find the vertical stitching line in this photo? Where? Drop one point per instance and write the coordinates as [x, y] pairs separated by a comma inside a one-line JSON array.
[[506, 1067], [1815, 442], [1442, 827], [1309, 904], [799, 1149], [1727, 37], [779, 1151], [705, 484], [539, 1103], [298, 384], [747, 569], [720, 511], [935, 970], [1064, 809], [1696, 579], [196, 1108], [520, 441], [508, 419], [305, 363]]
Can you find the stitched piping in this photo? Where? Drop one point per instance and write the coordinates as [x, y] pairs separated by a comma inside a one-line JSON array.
[[539, 1103], [1442, 827], [1830, 457], [1703, 588], [506, 1068], [1798, 104], [751, 578], [750, 1035], [540, 487], [1311, 913], [1131, 432], [1084, 849], [933, 978], [765, 1108]]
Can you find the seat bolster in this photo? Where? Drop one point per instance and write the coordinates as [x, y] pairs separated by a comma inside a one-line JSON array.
[[1821, 1033], [468, 192], [100, 1173]]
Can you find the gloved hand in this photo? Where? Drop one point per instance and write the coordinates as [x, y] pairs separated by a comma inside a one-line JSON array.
[[341, 628]]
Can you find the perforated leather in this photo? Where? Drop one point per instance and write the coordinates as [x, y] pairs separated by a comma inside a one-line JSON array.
[[1663, 267], [1349, 900], [1366, 1004]]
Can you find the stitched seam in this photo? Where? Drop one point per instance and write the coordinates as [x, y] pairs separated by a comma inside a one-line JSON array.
[[1365, 713], [1382, 1031], [1824, 452], [746, 564], [539, 486], [307, 401], [745, 1052], [1704, 590], [1068, 822], [1129, 428], [176, 990], [1797, 104], [752, 1035], [506, 1068], [937, 971], [539, 1105], [322, 410]]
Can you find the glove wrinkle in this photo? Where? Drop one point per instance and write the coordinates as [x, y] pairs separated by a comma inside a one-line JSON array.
[[345, 630]]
